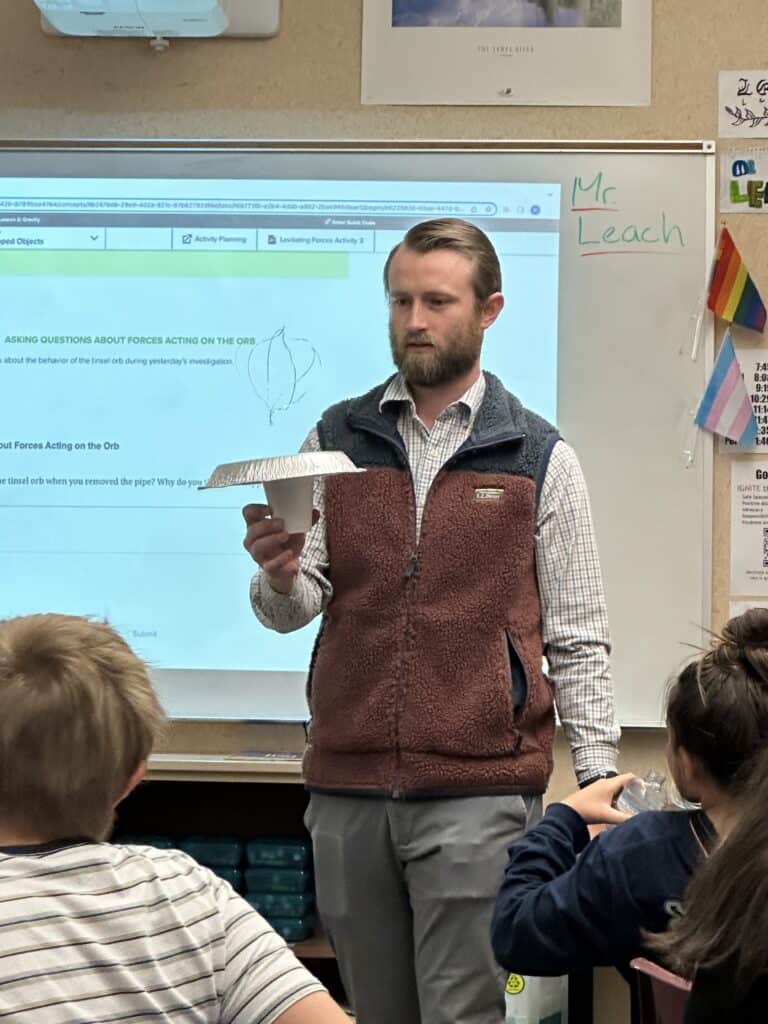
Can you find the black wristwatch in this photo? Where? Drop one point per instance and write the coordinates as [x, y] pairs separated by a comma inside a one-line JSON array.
[[595, 778]]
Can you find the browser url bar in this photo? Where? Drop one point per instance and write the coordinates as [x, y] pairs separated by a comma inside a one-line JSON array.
[[321, 207]]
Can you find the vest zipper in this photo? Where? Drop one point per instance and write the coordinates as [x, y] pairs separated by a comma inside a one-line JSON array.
[[477, 446], [412, 564]]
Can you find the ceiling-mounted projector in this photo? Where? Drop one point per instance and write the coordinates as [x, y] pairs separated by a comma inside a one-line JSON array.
[[160, 18]]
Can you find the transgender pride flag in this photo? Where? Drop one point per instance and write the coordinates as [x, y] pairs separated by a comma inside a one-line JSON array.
[[725, 408]]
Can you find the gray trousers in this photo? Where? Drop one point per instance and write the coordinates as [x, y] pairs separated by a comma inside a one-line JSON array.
[[405, 890]]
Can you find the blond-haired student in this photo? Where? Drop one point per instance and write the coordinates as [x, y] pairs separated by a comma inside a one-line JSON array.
[[93, 932]]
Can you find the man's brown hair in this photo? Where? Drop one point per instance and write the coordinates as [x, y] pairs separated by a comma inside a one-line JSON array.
[[77, 716], [459, 236]]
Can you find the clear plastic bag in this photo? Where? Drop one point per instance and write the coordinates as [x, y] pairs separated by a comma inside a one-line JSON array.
[[651, 792], [645, 793], [531, 1000]]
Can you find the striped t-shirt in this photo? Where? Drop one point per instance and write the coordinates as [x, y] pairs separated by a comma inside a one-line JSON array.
[[91, 932]]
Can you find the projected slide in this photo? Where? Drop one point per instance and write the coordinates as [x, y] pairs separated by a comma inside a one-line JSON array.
[[152, 329]]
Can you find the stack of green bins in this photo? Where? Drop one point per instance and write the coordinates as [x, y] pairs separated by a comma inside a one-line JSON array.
[[279, 883], [222, 855]]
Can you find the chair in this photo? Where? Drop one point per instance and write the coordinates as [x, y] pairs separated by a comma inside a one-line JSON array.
[[662, 995]]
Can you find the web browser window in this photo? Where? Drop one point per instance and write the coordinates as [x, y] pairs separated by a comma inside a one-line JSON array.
[[153, 328]]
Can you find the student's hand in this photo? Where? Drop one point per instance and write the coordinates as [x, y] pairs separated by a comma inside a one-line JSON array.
[[594, 803], [276, 551]]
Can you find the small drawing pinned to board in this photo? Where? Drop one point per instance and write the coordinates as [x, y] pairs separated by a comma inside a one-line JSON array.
[[743, 104], [744, 180]]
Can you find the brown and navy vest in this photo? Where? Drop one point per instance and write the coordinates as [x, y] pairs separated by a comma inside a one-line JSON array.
[[426, 678]]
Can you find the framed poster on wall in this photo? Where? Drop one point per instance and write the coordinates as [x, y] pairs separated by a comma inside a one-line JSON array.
[[523, 52]]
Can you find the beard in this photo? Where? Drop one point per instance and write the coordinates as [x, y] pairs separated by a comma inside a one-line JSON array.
[[436, 367]]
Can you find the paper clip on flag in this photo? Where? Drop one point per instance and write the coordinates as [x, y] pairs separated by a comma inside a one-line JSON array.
[[725, 408], [733, 295]]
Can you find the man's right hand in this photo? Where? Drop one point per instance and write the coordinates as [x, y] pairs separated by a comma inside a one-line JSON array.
[[276, 551]]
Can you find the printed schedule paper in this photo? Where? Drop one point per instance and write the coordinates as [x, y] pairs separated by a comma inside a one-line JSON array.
[[749, 527]]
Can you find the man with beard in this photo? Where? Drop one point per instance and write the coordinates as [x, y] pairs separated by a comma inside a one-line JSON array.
[[443, 575]]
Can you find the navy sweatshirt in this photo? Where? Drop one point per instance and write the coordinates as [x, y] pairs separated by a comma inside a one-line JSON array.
[[567, 903]]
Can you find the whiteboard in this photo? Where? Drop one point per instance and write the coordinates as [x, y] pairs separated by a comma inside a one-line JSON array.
[[636, 235], [628, 389]]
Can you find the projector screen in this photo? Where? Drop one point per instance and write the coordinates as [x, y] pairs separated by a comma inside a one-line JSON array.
[[157, 326], [169, 307]]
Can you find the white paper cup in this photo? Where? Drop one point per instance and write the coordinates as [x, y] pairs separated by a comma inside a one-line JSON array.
[[291, 500]]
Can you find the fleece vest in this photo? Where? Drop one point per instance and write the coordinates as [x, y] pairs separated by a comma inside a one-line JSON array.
[[426, 678]]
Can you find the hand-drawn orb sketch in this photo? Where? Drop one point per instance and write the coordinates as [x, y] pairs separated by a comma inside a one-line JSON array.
[[278, 369]]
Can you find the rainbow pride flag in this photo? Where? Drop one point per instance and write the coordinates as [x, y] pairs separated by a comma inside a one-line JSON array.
[[732, 292]]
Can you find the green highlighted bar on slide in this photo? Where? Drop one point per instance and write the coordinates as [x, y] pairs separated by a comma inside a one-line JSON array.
[[76, 263]]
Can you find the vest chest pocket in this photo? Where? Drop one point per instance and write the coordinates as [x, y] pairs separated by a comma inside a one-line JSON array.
[[518, 678]]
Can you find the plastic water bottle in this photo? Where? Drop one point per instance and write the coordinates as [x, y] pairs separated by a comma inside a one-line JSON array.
[[643, 794], [676, 802]]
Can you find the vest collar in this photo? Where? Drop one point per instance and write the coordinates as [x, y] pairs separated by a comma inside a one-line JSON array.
[[500, 418]]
